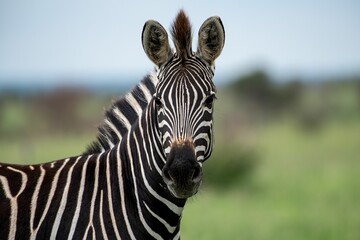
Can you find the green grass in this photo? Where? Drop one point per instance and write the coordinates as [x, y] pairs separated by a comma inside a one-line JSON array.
[[42, 149]]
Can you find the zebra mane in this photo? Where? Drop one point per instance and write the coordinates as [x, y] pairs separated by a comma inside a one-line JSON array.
[[181, 33], [122, 115]]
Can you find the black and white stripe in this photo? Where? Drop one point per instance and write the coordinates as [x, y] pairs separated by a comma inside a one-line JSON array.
[[123, 114], [187, 116], [103, 196], [134, 181]]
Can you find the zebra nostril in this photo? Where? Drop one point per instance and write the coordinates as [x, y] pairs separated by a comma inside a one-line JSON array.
[[196, 177], [167, 177]]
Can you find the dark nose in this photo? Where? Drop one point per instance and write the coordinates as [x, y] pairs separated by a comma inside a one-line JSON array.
[[183, 175]]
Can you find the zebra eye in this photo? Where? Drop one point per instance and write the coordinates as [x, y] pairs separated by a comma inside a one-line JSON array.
[[209, 100], [158, 101]]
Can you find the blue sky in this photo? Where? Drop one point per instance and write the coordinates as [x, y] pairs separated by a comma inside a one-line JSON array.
[[56, 40]]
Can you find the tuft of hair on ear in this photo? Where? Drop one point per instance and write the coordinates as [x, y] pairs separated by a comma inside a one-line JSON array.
[[181, 33]]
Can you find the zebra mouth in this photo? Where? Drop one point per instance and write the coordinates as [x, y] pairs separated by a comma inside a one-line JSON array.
[[183, 192], [183, 182]]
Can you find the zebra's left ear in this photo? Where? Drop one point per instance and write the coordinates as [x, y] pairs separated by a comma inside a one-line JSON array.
[[211, 39], [155, 42]]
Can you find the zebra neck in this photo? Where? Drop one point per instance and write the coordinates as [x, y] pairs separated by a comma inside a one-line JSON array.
[[141, 158], [122, 114]]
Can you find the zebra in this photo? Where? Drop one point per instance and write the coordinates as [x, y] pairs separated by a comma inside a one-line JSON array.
[[134, 181]]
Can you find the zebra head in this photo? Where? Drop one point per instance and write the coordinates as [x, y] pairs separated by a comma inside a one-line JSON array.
[[184, 97]]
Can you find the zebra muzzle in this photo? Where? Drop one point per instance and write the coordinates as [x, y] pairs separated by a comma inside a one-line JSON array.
[[182, 173]]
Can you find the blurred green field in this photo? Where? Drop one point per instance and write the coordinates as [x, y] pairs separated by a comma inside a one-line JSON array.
[[295, 176]]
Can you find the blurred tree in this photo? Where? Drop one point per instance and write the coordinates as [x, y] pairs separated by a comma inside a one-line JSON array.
[[230, 165], [258, 90], [59, 110]]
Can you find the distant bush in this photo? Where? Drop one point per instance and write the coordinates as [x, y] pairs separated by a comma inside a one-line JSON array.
[[261, 92], [229, 166], [59, 109]]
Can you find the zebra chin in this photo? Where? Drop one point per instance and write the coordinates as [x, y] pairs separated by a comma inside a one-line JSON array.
[[183, 193], [182, 173], [185, 189]]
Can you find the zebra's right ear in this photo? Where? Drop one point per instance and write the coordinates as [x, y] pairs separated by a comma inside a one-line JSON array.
[[155, 42]]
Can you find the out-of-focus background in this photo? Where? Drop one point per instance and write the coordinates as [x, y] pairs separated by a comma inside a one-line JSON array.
[[286, 163]]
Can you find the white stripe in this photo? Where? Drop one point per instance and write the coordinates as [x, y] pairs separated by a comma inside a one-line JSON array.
[[167, 135], [13, 200], [154, 79], [167, 150], [164, 123], [79, 199], [144, 223], [146, 92], [144, 145], [204, 136], [122, 195], [168, 227], [200, 148], [13, 207], [102, 225], [122, 118], [111, 207], [154, 137], [63, 202], [134, 104], [23, 180], [177, 236], [95, 189], [110, 143], [35, 197], [112, 126], [200, 158], [6, 188], [203, 124], [50, 197]]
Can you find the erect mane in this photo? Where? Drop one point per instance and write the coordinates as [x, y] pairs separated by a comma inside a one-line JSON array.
[[181, 33], [122, 114]]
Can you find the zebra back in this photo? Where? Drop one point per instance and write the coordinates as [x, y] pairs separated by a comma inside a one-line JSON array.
[[122, 115]]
